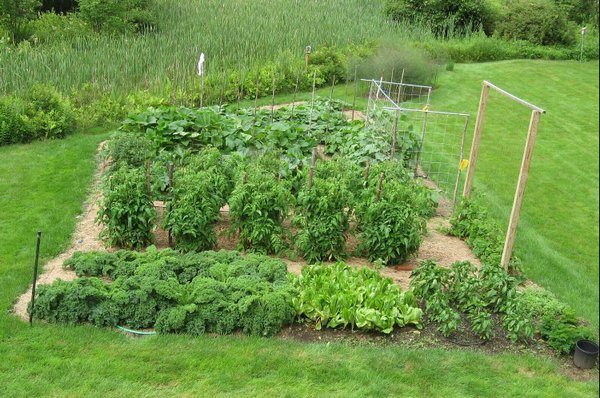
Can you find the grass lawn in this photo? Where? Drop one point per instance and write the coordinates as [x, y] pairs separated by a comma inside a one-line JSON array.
[[558, 233], [43, 186]]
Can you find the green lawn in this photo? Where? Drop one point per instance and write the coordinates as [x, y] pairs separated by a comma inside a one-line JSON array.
[[43, 186], [558, 234]]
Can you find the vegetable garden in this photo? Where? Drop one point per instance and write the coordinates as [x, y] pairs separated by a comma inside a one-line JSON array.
[[296, 183]]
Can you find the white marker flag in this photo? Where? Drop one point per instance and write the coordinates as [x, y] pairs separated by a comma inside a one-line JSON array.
[[201, 65]]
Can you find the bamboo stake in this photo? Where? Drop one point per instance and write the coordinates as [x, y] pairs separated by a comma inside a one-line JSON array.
[[399, 99], [223, 87]]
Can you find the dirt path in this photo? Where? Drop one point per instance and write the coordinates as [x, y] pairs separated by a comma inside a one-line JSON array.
[[86, 238]]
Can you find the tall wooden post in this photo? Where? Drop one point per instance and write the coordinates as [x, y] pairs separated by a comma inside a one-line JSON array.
[[515, 213], [485, 91]]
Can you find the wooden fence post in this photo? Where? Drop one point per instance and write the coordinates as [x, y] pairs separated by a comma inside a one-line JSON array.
[[485, 91], [515, 213]]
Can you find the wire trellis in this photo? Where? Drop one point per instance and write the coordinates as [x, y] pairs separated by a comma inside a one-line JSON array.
[[438, 153]]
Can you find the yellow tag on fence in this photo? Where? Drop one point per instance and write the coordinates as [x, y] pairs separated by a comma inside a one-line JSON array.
[[464, 164], [425, 108]]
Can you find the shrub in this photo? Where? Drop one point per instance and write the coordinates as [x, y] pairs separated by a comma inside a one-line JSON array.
[[339, 295], [330, 64], [116, 16], [53, 28], [539, 22], [15, 126], [51, 113], [445, 17], [127, 210], [14, 15], [471, 222], [392, 57]]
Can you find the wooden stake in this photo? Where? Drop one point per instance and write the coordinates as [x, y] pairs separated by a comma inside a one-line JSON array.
[[148, 186], [256, 94], [379, 187], [332, 87], [295, 92], [312, 101], [394, 135], [202, 90], [485, 91], [171, 172], [273, 98], [515, 213], [399, 99], [355, 91], [223, 87], [311, 171]]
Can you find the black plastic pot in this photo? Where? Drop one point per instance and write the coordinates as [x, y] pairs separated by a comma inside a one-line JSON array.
[[586, 352]]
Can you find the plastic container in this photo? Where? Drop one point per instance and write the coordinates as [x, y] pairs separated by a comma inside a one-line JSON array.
[[586, 353]]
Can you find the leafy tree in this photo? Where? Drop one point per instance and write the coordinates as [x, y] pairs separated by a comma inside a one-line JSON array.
[[14, 14], [445, 17]]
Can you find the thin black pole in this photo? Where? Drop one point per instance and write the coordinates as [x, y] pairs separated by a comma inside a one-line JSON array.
[[35, 271]]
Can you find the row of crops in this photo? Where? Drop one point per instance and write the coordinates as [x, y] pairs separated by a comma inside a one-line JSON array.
[[281, 200], [299, 181], [220, 292]]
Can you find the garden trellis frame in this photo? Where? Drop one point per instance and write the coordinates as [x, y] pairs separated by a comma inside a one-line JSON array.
[[414, 99], [515, 213]]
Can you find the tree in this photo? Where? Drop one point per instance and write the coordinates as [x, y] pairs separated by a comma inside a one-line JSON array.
[[14, 13]]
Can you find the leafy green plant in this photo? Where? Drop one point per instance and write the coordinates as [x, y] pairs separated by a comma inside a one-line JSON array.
[[195, 293], [390, 225], [539, 22], [15, 126], [258, 206], [50, 113], [194, 207], [339, 295], [322, 214], [471, 222], [126, 209], [448, 292], [129, 149]]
